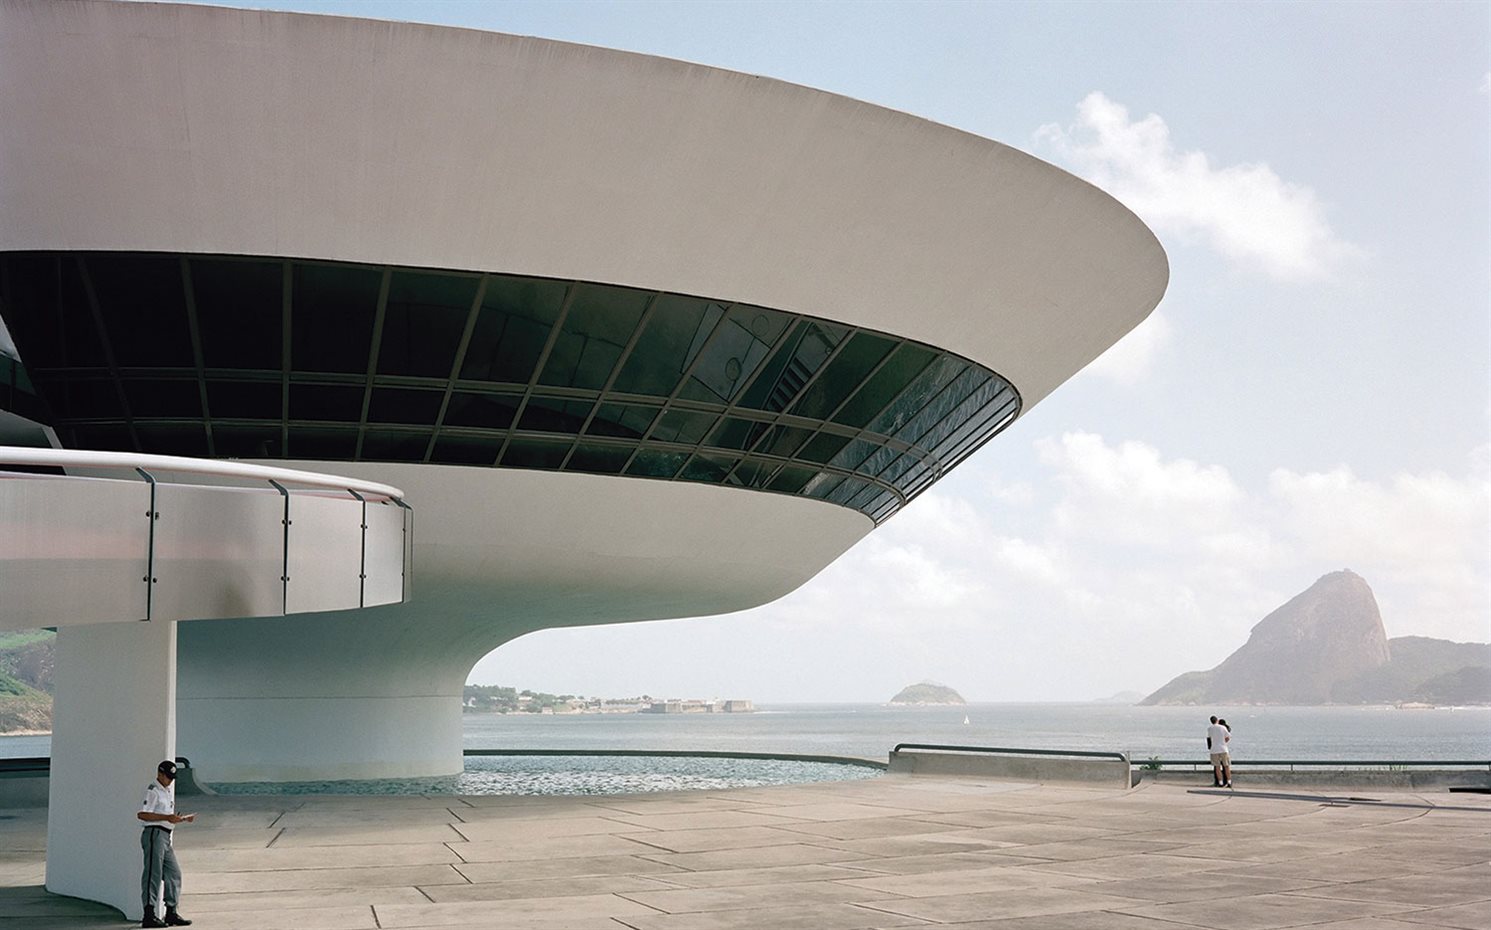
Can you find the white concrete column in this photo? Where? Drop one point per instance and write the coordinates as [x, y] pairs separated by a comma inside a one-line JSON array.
[[114, 720]]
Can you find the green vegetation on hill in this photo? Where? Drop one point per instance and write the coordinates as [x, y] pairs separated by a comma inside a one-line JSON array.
[[27, 660], [11, 687], [14, 639], [927, 692], [496, 699], [24, 713], [1468, 685], [29, 657]]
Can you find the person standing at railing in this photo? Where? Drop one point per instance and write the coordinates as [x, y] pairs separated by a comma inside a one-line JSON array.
[[1217, 738], [162, 876]]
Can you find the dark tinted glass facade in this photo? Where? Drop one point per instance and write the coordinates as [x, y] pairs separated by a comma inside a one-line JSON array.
[[257, 358]]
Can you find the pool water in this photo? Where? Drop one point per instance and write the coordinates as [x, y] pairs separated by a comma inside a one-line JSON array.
[[578, 775]]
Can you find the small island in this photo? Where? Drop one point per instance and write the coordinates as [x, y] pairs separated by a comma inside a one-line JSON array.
[[927, 692]]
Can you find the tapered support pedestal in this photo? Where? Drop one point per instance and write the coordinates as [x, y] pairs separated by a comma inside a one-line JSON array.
[[114, 720], [345, 695]]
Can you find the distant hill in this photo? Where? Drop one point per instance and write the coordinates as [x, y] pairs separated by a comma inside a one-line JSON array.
[[1122, 697], [1431, 671], [1327, 646], [927, 692], [27, 663], [29, 656]]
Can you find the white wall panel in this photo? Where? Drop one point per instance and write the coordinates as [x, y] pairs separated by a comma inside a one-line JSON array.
[[219, 552], [325, 553], [72, 550], [386, 556], [76, 550]]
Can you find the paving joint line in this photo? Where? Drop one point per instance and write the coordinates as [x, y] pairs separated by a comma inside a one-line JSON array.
[[672, 865], [464, 860], [617, 894], [662, 849]]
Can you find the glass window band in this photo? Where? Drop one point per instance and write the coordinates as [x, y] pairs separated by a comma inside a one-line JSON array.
[[344, 362]]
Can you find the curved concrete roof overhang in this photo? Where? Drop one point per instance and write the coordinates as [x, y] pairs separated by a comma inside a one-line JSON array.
[[140, 126]]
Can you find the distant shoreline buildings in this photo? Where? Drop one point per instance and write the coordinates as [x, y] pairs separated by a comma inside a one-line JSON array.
[[700, 707], [495, 699]]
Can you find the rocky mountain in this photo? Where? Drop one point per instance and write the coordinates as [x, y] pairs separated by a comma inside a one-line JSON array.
[[1327, 646], [927, 692]]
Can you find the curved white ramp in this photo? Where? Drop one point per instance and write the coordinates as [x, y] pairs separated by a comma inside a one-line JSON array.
[[114, 562]]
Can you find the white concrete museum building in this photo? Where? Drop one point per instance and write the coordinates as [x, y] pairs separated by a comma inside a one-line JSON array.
[[636, 339]]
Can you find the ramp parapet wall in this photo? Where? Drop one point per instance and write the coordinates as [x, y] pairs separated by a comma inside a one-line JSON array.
[[153, 547]]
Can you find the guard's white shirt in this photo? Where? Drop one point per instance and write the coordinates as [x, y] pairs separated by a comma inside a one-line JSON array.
[[158, 800], [1218, 736]]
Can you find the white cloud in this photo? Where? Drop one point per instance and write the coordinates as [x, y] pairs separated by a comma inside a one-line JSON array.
[[918, 577], [1116, 567], [1125, 567], [1244, 211], [1485, 85], [1027, 559], [1423, 537], [1128, 493], [1130, 360]]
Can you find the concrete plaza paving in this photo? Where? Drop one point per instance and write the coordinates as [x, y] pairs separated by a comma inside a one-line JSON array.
[[888, 852]]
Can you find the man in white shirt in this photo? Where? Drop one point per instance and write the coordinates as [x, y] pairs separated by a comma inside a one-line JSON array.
[[162, 877], [1221, 759]]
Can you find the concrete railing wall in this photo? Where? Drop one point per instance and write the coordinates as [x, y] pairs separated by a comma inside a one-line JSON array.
[[1380, 780], [1019, 768], [24, 789]]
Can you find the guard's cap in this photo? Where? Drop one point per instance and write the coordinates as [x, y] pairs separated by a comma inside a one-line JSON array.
[[167, 768]]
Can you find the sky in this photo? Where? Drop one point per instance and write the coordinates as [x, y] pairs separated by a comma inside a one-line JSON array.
[[1312, 394]]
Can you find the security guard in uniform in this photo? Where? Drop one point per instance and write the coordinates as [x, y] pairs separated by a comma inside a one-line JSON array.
[[158, 813]]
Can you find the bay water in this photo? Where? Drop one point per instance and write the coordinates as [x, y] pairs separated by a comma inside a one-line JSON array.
[[870, 730]]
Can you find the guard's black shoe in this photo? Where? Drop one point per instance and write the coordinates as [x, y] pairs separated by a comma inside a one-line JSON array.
[[152, 921], [174, 919]]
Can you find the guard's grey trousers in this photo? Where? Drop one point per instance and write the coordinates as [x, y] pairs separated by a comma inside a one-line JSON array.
[[160, 868]]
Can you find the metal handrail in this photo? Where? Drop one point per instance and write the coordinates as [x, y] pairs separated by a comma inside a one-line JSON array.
[[85, 458], [1346, 763], [25, 766], [31, 765], [1120, 756]]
